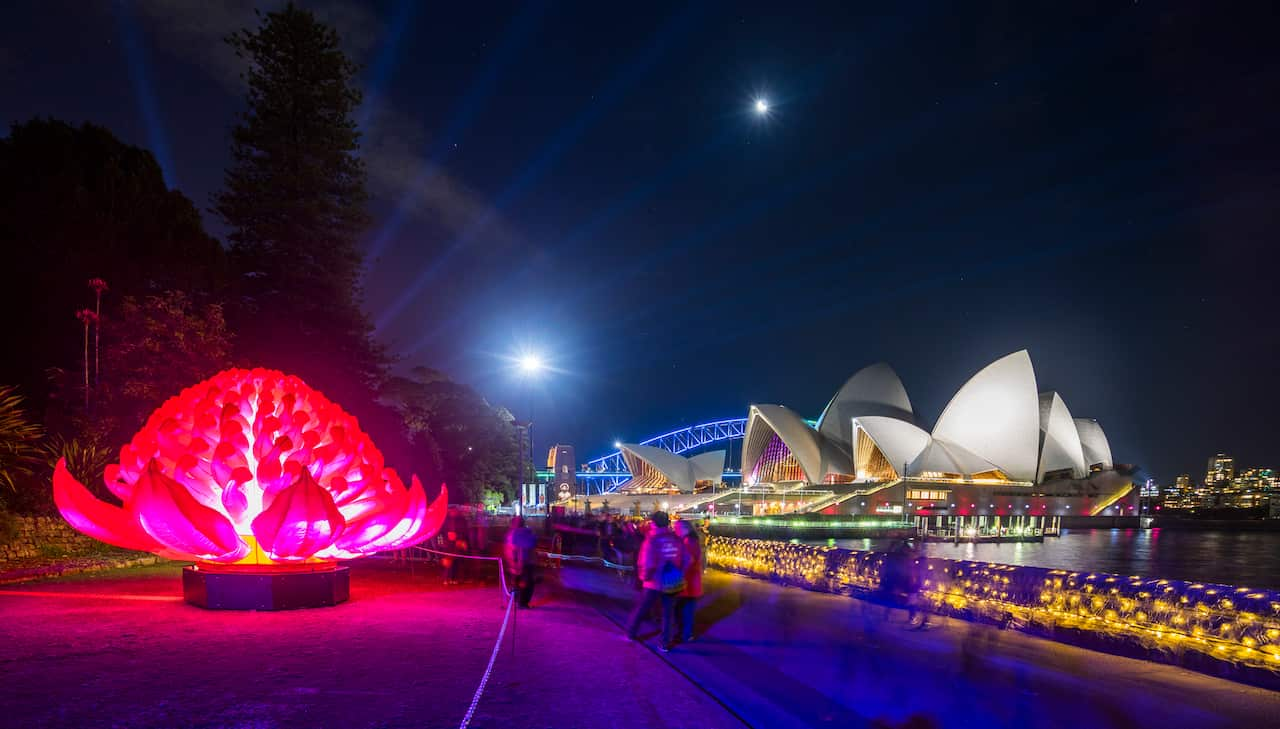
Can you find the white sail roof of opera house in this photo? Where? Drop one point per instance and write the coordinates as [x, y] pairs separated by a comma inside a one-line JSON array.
[[1059, 441], [1094, 443], [899, 441], [816, 455], [655, 468], [947, 460], [995, 416], [873, 390]]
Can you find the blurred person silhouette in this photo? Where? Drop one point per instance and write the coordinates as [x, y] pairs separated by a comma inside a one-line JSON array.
[[687, 600], [517, 552], [661, 568]]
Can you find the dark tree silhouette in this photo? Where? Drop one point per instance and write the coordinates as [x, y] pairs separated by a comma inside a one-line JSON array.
[[468, 442], [76, 203], [294, 199]]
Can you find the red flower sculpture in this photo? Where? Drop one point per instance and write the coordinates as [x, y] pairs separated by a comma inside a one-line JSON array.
[[252, 467]]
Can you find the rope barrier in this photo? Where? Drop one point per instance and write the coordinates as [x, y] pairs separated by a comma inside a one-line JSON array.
[[484, 680], [583, 558], [502, 631], [502, 572]]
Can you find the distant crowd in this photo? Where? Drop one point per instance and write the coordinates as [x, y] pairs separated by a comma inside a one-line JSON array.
[[665, 558]]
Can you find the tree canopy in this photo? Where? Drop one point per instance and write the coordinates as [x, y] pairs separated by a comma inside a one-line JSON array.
[[294, 199], [80, 211], [474, 445], [77, 203]]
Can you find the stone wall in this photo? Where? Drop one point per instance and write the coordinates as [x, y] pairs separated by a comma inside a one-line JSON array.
[[45, 536]]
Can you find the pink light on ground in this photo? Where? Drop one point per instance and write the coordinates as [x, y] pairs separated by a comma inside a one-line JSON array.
[[95, 596], [252, 467]]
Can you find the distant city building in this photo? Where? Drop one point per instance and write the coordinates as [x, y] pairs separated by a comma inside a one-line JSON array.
[[1258, 479], [1220, 472], [1150, 489], [1255, 487], [1181, 494]]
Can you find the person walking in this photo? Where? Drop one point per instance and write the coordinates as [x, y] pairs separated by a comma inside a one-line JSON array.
[[916, 566], [661, 567], [687, 600], [450, 563], [517, 552]]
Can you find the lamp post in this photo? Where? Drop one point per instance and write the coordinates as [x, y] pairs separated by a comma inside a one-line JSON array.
[[529, 365]]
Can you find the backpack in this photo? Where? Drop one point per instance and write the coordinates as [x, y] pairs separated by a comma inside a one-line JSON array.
[[670, 575], [671, 578]]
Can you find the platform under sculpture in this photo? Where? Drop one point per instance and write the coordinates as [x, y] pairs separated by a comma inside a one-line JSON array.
[[218, 589]]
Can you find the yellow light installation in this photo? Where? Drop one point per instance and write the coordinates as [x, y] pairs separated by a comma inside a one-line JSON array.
[[1160, 615]]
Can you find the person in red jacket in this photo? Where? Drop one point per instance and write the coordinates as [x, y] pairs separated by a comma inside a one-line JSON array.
[[661, 566], [687, 600]]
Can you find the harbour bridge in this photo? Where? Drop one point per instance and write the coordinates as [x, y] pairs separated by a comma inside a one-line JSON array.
[[603, 474]]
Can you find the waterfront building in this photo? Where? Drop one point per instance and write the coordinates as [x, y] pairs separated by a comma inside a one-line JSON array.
[[1000, 449], [658, 471], [564, 471]]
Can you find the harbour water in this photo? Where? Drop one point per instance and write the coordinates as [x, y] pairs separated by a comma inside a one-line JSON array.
[[1243, 559]]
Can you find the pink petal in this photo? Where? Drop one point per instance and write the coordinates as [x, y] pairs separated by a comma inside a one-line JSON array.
[[371, 521], [97, 518], [417, 523], [301, 520], [170, 514], [431, 521]]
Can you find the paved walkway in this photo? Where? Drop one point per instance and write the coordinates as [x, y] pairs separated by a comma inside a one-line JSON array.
[[122, 649], [786, 657]]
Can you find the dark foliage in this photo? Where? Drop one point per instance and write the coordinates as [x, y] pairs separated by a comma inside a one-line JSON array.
[[76, 203], [471, 444], [294, 199]]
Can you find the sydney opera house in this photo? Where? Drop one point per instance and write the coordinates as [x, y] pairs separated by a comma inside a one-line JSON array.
[[1000, 448], [658, 471]]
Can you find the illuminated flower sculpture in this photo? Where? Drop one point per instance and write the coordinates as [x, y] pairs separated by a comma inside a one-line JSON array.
[[254, 468]]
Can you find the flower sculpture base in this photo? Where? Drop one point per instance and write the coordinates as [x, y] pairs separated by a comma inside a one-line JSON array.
[[266, 589]]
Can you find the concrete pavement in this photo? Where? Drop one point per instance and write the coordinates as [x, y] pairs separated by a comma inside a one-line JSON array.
[[122, 650]]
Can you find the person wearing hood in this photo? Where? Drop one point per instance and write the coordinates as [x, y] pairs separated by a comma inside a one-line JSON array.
[[661, 567]]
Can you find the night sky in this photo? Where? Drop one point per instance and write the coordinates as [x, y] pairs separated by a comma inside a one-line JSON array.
[[934, 188]]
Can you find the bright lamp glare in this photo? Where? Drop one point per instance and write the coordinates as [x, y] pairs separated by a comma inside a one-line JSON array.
[[762, 106], [617, 444], [530, 364]]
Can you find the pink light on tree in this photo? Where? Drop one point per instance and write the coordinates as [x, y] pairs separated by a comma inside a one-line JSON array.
[[87, 318], [98, 285], [252, 467]]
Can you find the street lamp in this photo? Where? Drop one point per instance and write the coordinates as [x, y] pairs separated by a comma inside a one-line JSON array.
[[528, 366]]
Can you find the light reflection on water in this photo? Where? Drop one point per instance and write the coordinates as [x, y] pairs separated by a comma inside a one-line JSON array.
[[1249, 559]]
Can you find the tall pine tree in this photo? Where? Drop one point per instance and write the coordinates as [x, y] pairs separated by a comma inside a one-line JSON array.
[[294, 198]]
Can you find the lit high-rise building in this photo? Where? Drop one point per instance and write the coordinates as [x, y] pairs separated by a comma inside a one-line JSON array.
[[1258, 479], [1221, 469], [1181, 494], [1255, 487], [1150, 489]]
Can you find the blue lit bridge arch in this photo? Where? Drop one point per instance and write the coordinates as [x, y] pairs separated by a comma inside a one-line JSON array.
[[606, 472]]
